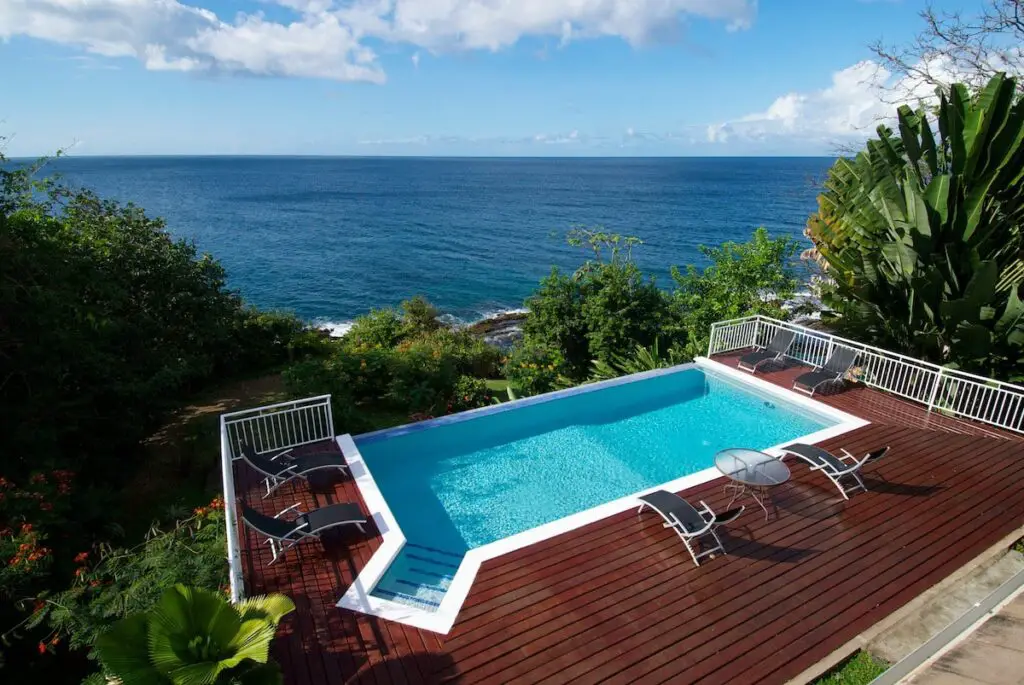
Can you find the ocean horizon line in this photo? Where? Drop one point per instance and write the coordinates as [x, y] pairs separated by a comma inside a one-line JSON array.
[[300, 156]]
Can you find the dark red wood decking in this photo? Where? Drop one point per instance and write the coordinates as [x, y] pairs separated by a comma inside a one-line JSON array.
[[620, 600]]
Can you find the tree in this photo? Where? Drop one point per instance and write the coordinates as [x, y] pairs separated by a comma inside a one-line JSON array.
[[756, 277], [969, 49], [921, 235], [600, 311]]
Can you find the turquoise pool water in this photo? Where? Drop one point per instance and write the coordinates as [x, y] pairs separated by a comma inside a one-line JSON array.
[[461, 485]]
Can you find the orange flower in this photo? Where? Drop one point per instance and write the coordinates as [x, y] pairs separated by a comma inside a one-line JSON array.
[[81, 557]]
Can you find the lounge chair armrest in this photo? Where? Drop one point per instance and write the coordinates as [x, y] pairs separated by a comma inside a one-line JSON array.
[[294, 507], [846, 454], [285, 453]]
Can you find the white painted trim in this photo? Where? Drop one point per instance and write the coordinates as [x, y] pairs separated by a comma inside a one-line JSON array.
[[358, 597]]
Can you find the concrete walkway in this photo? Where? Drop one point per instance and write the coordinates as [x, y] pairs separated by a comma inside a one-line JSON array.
[[992, 655]]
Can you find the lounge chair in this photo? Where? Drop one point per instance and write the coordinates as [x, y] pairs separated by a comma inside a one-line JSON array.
[[687, 522], [283, 467], [834, 370], [836, 468], [775, 351], [282, 534]]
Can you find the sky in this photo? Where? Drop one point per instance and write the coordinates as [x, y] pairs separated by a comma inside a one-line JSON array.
[[446, 77]]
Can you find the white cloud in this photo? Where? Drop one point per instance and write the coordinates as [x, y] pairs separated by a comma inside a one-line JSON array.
[[859, 98], [170, 35], [494, 24], [328, 37]]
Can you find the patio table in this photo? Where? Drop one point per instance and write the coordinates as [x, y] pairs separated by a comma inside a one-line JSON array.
[[752, 473]]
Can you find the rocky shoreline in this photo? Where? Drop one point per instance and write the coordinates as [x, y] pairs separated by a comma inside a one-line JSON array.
[[502, 331]]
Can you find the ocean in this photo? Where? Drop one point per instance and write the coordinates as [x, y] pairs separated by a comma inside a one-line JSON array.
[[330, 238]]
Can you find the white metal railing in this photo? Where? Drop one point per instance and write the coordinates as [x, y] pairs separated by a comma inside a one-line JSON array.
[[268, 429], [947, 390]]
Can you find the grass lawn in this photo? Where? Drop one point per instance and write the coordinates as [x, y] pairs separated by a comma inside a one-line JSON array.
[[860, 670]]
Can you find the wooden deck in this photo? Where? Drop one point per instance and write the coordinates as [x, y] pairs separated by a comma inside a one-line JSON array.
[[620, 600]]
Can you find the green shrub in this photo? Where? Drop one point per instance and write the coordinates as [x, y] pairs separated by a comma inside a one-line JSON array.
[[469, 393], [755, 277], [600, 311], [422, 379], [533, 368], [419, 316], [380, 329]]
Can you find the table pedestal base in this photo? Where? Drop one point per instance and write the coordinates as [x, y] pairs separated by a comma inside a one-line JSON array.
[[757, 493]]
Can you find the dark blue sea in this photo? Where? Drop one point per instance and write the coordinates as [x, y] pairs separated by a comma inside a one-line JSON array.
[[329, 238]]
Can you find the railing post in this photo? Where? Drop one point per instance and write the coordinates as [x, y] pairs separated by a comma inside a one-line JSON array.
[[757, 331], [330, 418], [711, 340], [230, 522], [935, 390]]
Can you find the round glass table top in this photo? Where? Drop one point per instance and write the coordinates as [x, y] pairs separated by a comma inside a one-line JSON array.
[[751, 467]]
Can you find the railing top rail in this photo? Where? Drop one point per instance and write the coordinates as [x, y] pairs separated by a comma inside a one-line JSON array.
[[952, 373], [246, 413]]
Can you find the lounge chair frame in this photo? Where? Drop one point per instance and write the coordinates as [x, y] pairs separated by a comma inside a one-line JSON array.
[[836, 475], [280, 543], [772, 352], [837, 373], [689, 537], [291, 467]]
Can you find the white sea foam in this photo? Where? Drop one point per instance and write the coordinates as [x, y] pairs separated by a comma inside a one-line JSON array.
[[337, 329]]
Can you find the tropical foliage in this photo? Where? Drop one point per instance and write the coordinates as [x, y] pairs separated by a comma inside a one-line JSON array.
[[600, 311], [640, 360], [110, 583], [756, 277], [396, 363], [607, 318], [196, 637], [921, 233], [107, 324]]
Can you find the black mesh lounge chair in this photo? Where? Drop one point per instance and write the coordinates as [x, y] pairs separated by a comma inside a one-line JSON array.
[[283, 467], [834, 370], [687, 522], [282, 534], [836, 468], [775, 351]]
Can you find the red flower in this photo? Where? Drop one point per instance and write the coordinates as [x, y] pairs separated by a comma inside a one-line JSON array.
[[79, 572], [26, 528], [42, 648], [46, 506], [37, 478], [81, 557]]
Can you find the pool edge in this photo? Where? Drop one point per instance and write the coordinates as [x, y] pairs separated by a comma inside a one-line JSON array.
[[358, 596]]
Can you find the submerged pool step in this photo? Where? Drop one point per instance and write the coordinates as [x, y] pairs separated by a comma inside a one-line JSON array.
[[406, 598], [435, 562], [419, 576], [455, 555]]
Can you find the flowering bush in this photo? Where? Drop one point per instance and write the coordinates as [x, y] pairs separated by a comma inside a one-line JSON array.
[[25, 559], [533, 369], [469, 393], [26, 512], [110, 583]]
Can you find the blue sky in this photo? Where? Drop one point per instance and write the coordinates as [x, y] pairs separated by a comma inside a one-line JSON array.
[[445, 77]]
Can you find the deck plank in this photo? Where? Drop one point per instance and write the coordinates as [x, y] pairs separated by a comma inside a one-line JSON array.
[[619, 600]]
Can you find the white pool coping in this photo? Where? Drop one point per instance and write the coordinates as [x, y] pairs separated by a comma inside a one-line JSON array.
[[440, 620]]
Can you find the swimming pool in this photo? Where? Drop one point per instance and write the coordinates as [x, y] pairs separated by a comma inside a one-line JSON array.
[[468, 481]]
